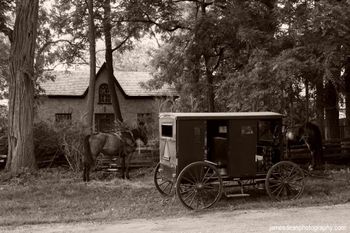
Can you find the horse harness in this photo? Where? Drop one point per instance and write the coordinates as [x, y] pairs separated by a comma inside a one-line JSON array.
[[130, 142]]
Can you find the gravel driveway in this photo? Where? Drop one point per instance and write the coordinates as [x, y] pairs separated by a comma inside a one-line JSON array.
[[311, 219]]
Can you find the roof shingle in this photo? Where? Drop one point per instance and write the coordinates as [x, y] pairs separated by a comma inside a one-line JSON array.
[[75, 83]]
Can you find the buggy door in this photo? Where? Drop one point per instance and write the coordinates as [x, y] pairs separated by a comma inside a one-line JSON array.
[[190, 137], [242, 148]]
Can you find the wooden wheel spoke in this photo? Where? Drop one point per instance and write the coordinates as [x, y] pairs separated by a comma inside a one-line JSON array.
[[205, 175], [187, 186], [189, 180], [284, 181], [166, 181], [297, 180], [167, 185], [278, 188], [280, 191], [275, 181], [207, 179], [171, 186], [275, 185], [187, 194], [295, 186], [291, 171], [195, 194], [206, 200], [199, 185], [295, 175], [276, 176], [163, 184], [208, 186], [194, 176], [200, 200]]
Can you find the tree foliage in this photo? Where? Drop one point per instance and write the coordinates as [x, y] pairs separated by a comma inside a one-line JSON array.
[[260, 55]]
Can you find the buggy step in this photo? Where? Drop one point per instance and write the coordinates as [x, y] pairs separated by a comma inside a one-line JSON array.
[[237, 195]]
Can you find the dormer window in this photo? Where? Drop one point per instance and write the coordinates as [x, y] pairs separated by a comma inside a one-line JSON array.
[[104, 96]]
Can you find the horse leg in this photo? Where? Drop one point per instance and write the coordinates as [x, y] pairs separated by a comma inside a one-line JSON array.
[[128, 166], [84, 173], [87, 173], [123, 166], [87, 159], [312, 165], [318, 159]]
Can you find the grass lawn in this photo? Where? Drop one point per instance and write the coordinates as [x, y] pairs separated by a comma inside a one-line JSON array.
[[58, 195]]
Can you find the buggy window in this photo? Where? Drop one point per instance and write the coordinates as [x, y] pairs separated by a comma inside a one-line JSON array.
[[167, 130], [247, 130]]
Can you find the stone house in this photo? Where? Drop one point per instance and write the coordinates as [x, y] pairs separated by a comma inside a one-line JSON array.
[[65, 98]]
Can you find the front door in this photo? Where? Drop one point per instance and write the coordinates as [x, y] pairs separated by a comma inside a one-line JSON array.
[[190, 137], [104, 122], [242, 148]]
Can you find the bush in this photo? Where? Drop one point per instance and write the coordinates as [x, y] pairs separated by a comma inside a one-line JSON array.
[[71, 141], [59, 143], [54, 144], [46, 144]]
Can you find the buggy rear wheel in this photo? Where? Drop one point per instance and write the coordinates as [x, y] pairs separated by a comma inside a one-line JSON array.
[[199, 185], [285, 181], [163, 184]]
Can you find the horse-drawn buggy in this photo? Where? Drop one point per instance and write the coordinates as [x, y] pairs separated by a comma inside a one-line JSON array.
[[204, 155]]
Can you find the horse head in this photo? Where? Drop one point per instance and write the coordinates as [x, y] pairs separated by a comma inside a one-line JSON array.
[[142, 133]]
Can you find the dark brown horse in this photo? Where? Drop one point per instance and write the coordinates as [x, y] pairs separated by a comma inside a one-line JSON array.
[[121, 144], [310, 135]]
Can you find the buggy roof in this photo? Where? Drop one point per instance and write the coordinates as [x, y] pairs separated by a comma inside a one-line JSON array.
[[221, 115]]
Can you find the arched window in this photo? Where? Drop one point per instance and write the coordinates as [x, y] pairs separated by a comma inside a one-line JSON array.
[[103, 94]]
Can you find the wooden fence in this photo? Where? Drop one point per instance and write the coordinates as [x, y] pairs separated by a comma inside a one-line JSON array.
[[334, 151], [143, 157]]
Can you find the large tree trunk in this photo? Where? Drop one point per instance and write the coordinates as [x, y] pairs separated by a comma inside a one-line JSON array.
[[92, 50], [332, 113], [109, 59], [21, 88], [210, 86]]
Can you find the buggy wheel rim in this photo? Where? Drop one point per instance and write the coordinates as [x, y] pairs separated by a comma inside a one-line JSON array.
[[163, 184], [199, 186], [285, 181]]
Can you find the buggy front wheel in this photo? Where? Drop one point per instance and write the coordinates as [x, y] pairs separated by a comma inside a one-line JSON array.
[[199, 185], [285, 181]]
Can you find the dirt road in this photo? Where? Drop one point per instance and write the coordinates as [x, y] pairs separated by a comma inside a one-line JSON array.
[[311, 219]]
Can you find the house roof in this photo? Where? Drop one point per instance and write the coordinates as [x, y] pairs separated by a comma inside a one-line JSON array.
[[131, 83], [66, 83], [75, 83]]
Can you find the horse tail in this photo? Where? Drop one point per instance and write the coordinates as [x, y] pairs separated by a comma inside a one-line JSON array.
[[87, 158]]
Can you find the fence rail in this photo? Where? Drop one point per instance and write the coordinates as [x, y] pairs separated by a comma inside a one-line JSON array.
[[335, 150]]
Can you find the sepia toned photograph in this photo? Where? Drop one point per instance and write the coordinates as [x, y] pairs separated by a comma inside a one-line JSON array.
[[174, 116]]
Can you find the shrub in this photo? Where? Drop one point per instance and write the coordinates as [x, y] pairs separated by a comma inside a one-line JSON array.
[[46, 146], [71, 141]]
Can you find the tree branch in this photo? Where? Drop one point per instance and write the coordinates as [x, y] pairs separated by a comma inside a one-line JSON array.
[[42, 49], [221, 52], [149, 20], [121, 43]]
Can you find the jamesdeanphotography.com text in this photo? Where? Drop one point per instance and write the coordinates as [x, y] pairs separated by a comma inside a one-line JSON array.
[[309, 228]]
